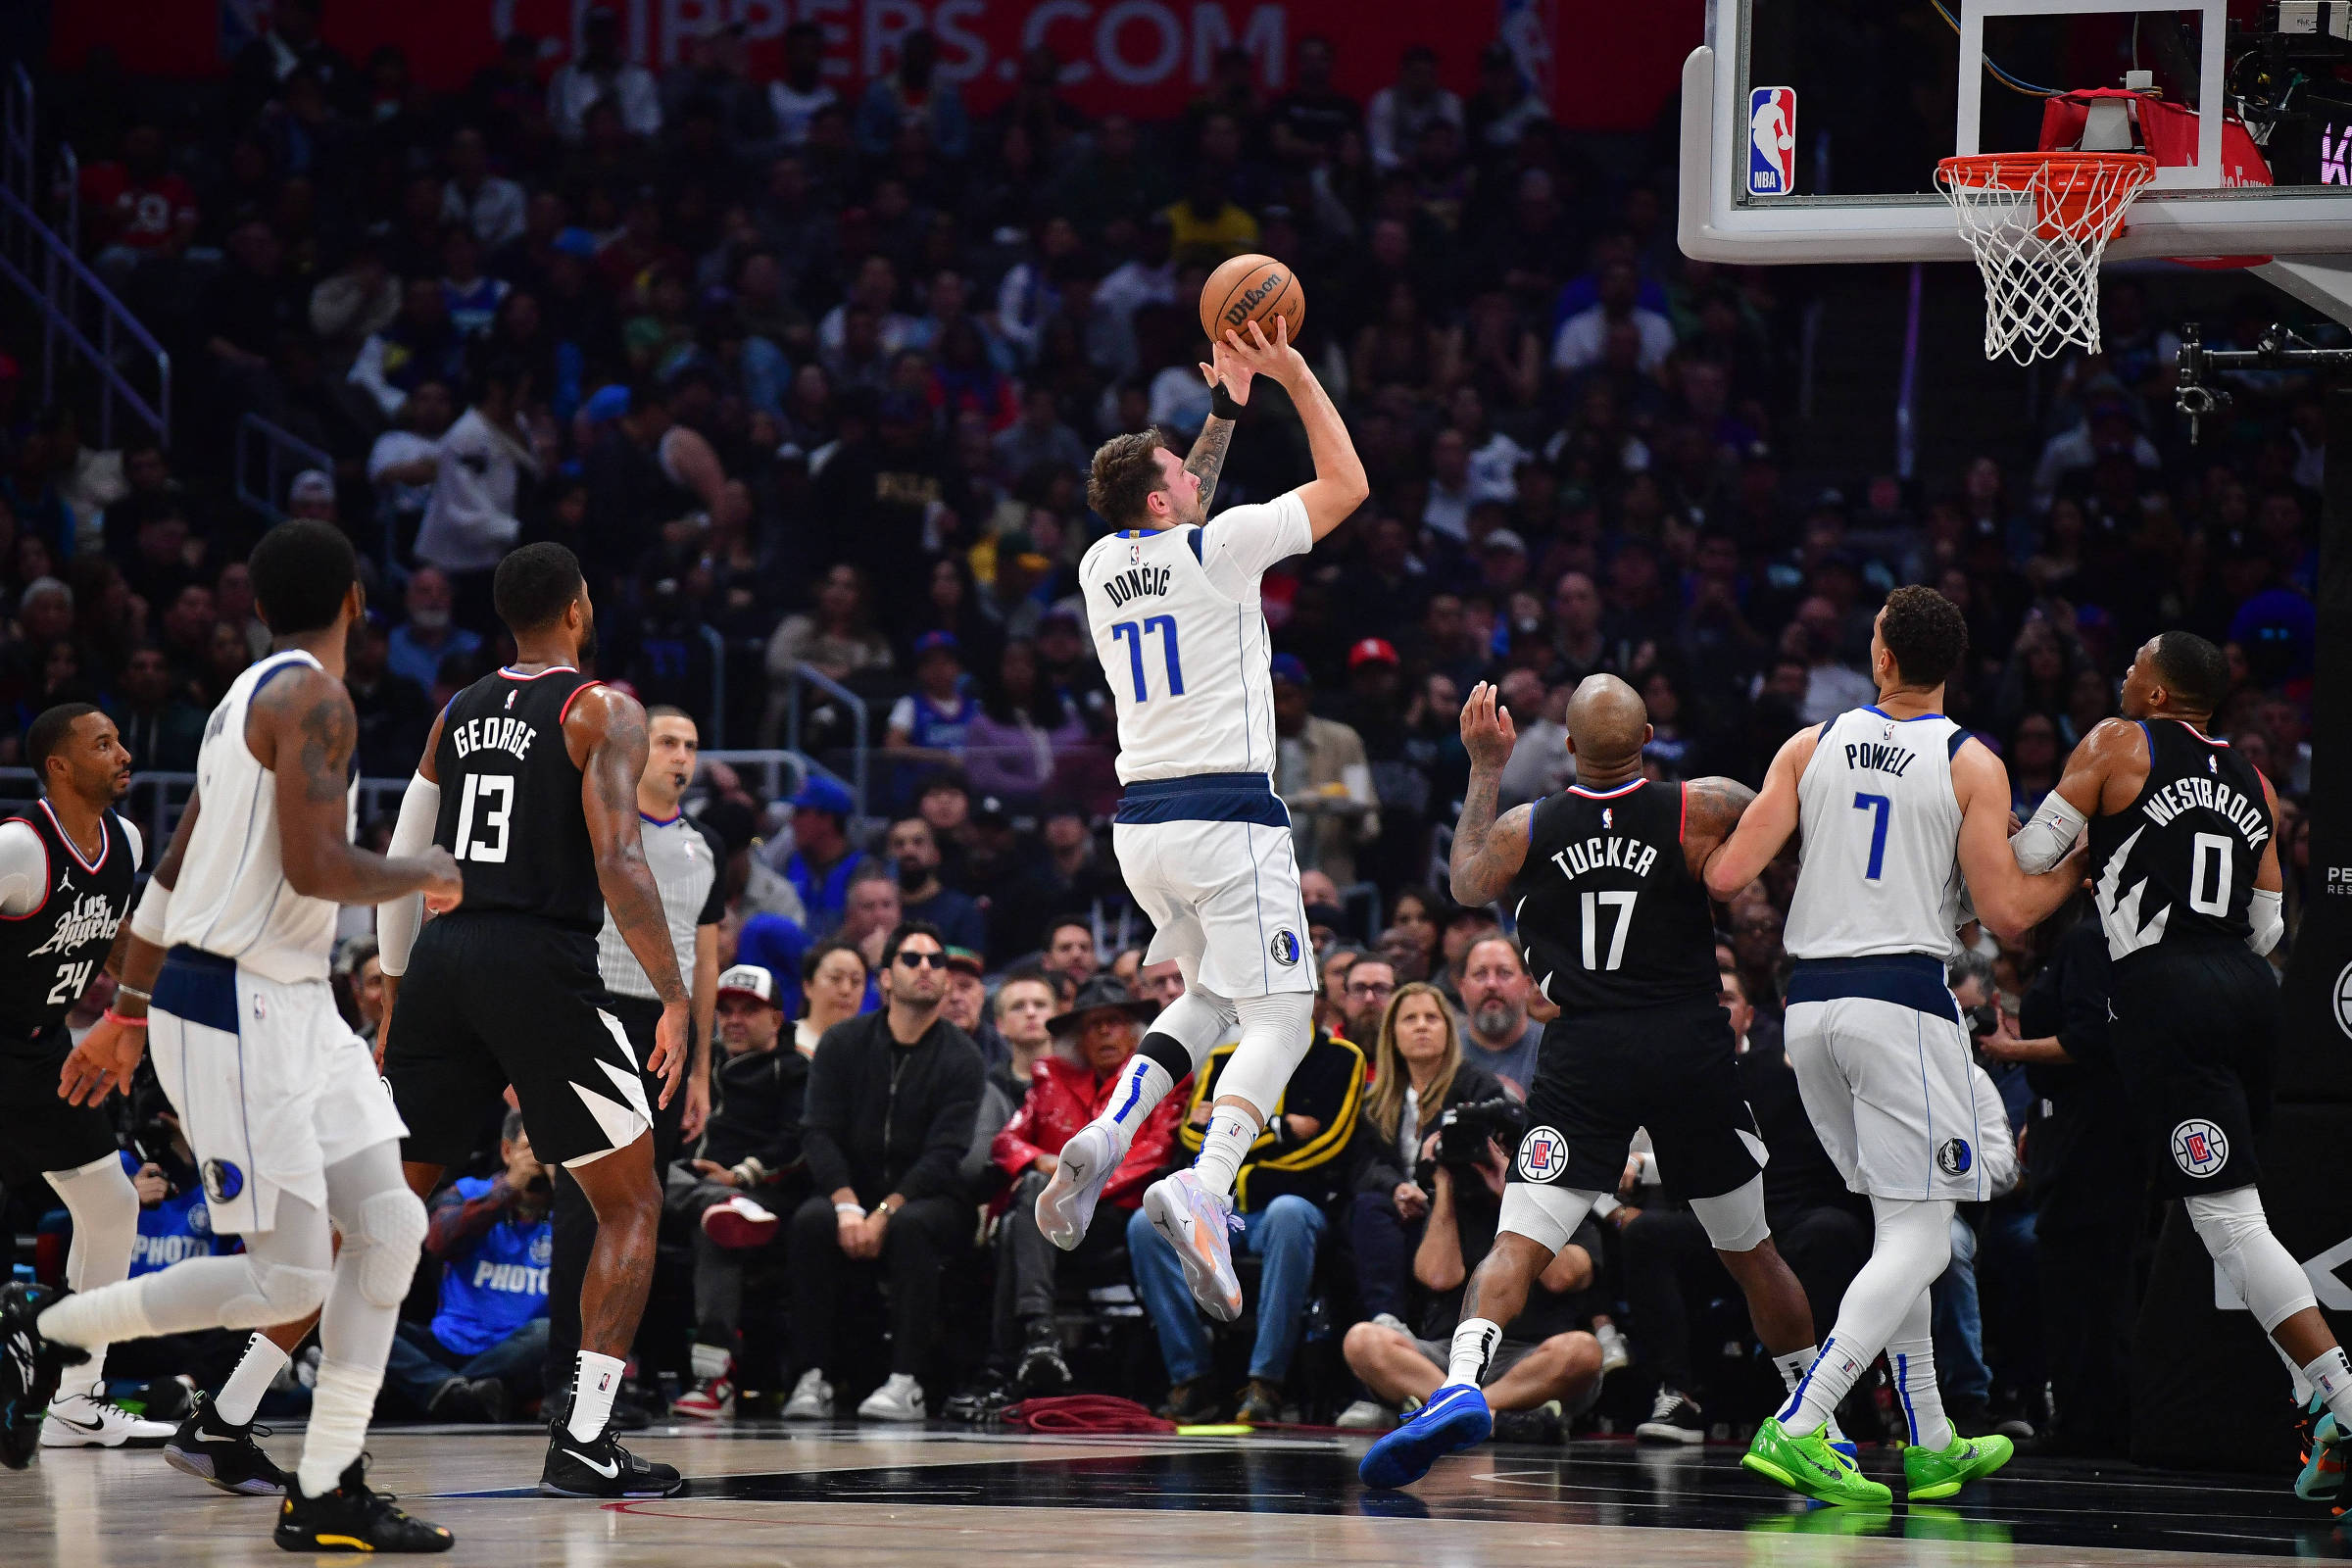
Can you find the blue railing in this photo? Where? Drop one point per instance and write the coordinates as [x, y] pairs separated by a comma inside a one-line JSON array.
[[284, 455]]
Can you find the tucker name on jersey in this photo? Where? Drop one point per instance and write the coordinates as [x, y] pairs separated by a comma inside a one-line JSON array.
[[1625, 854]]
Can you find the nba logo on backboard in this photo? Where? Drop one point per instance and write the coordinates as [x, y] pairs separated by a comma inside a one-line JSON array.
[[1771, 141], [1543, 1154]]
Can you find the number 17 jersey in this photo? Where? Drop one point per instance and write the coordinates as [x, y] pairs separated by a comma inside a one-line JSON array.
[[1176, 623], [511, 808], [1880, 854]]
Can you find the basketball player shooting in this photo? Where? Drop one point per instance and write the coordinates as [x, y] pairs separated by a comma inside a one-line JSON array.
[[2184, 858], [1204, 841], [297, 1134]]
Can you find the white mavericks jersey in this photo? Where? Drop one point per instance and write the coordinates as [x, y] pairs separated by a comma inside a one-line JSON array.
[[1881, 866], [231, 898], [1177, 626]]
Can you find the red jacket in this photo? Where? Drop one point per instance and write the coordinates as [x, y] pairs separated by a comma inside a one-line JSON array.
[[1065, 1096]]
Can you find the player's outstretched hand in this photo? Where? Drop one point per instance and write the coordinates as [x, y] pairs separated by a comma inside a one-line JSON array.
[[1253, 353], [1488, 733], [445, 888], [1228, 371], [670, 1050], [102, 1064]]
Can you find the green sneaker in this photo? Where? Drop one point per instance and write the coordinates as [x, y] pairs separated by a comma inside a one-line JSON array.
[[1930, 1473], [1808, 1464]]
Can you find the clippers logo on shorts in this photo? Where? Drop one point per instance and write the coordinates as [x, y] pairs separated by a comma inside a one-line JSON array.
[[1771, 141], [1955, 1156], [1284, 948], [1543, 1154], [222, 1181], [2199, 1147]]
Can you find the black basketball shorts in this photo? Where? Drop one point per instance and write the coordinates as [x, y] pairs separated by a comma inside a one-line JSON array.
[[491, 1000], [2194, 1033], [1669, 1068], [39, 1132]]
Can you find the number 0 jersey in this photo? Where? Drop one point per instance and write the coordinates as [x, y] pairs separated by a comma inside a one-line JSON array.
[[511, 798], [1608, 913], [49, 952], [2178, 867], [1176, 623], [1881, 825]]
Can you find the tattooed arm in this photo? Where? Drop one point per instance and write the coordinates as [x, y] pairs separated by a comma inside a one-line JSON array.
[[1488, 850], [1207, 458], [605, 733], [301, 729], [1711, 809]]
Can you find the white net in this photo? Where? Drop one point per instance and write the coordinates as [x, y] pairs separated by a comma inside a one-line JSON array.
[[2038, 225]]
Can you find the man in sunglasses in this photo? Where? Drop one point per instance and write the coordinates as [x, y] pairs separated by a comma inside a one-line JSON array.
[[892, 1097]]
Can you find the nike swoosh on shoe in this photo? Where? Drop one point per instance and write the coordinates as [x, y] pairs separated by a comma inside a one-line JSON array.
[[609, 1469]]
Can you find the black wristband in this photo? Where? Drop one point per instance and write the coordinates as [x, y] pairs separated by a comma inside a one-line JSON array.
[[1222, 405]]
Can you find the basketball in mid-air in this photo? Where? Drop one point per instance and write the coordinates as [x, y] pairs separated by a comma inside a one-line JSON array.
[[1251, 288]]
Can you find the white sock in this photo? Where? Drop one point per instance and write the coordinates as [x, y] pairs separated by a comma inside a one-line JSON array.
[[340, 1407], [1231, 1132], [2303, 1390], [2332, 1377], [241, 1396], [1912, 1246], [592, 1395], [1143, 1085], [1911, 1355], [1474, 1343], [1792, 1368], [708, 1360]]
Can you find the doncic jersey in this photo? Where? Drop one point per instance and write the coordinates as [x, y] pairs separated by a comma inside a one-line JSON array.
[[511, 808], [1177, 626], [1881, 868], [1608, 913], [2178, 867], [49, 953]]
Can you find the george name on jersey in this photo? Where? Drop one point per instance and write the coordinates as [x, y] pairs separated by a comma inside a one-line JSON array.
[[510, 735], [90, 920], [1596, 853], [2210, 795], [1878, 758], [1135, 583]]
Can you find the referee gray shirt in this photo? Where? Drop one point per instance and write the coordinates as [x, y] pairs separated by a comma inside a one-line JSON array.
[[685, 858]]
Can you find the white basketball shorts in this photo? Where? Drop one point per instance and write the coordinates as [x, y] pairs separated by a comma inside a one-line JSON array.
[[1210, 862], [271, 1085], [1883, 1063]]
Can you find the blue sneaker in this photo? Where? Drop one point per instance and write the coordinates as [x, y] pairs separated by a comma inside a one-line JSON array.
[[1455, 1418], [2323, 1476]]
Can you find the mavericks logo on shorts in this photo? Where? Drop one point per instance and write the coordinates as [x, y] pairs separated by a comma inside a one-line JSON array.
[[1284, 948], [1954, 1156], [222, 1181], [1543, 1154], [2199, 1147]]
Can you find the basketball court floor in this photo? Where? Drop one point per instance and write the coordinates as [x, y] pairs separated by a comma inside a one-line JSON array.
[[812, 1496]]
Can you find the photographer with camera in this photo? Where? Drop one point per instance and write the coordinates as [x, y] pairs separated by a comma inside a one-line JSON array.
[[479, 1357]]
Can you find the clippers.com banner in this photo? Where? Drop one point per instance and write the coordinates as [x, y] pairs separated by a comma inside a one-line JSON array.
[[1142, 57]]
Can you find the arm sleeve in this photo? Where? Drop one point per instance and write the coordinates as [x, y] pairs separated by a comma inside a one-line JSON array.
[[2268, 923], [398, 921], [821, 1125], [949, 1135], [23, 870], [1240, 543], [2043, 841]]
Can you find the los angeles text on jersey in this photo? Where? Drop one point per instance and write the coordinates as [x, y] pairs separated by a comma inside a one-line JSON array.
[[90, 918], [2212, 794], [510, 735], [1135, 583], [1625, 854]]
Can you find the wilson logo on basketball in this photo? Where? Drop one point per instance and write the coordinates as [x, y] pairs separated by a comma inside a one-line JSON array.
[[1246, 303]]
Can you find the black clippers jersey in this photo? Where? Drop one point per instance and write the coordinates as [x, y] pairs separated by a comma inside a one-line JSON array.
[[49, 956], [2178, 867], [511, 800], [1608, 913]]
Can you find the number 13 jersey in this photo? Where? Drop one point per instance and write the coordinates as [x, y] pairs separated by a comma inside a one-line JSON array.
[[511, 798], [1880, 853], [1176, 623]]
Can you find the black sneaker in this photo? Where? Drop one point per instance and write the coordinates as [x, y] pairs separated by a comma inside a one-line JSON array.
[[1193, 1404], [602, 1469], [1043, 1371], [1542, 1424], [218, 1454], [30, 1369], [352, 1518], [1674, 1418], [1262, 1404]]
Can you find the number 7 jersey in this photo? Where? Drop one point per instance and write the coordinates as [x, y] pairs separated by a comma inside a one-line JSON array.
[[511, 808], [1176, 623], [1880, 853]]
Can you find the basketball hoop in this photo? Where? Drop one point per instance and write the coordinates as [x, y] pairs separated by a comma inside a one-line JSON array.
[[2038, 223]]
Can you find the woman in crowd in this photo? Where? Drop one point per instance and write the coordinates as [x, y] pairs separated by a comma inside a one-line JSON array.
[[833, 988], [1023, 725], [837, 640]]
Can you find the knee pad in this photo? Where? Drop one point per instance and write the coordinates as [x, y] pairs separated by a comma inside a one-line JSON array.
[[280, 1293], [1192, 1025], [1734, 1220], [1545, 1215], [385, 1243], [1276, 1031], [2255, 1262], [1916, 1233]]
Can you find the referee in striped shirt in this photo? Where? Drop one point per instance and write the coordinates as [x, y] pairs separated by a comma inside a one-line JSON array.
[[687, 861]]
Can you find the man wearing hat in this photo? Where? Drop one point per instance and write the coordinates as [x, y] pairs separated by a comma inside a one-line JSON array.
[[745, 1171], [823, 860], [311, 494], [1070, 1087], [1321, 774]]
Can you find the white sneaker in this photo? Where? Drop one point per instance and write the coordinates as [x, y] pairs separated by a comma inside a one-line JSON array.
[[1194, 1220], [1615, 1354], [899, 1399], [1365, 1415], [811, 1399], [87, 1421], [1066, 1207]]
